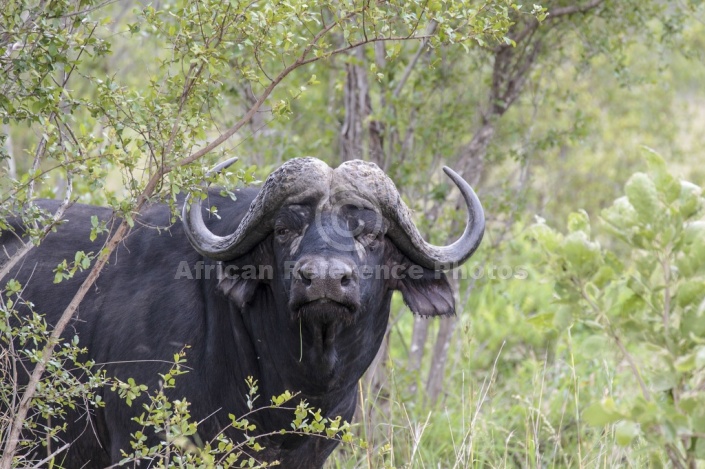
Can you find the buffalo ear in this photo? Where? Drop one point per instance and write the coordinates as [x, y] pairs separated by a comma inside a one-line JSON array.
[[238, 290], [428, 294], [250, 270]]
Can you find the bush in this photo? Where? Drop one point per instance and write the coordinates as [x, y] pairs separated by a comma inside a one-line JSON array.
[[641, 294]]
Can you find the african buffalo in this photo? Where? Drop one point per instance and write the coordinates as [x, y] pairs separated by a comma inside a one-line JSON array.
[[325, 249]]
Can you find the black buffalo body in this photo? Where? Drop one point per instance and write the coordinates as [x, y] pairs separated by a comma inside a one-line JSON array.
[[290, 284]]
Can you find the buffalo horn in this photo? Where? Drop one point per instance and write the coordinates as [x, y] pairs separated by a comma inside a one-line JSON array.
[[402, 230], [294, 180]]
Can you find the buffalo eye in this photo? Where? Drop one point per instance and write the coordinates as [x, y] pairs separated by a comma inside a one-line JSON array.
[[369, 240], [355, 227], [282, 233]]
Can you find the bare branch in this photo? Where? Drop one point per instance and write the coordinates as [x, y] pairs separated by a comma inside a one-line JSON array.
[[572, 9], [554, 14], [52, 455], [38, 155]]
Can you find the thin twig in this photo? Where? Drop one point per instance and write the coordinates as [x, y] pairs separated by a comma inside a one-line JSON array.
[[430, 29], [630, 360], [51, 456]]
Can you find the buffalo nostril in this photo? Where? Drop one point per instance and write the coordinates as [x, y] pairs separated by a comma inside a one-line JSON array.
[[342, 272], [306, 273]]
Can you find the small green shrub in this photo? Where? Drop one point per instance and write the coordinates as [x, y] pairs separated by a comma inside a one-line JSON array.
[[642, 295], [70, 382]]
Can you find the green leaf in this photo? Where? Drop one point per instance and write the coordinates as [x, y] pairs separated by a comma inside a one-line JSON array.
[[602, 413], [605, 274], [654, 160], [693, 322], [696, 254], [664, 181], [547, 237], [700, 358], [694, 231], [563, 318], [643, 196], [583, 254], [690, 200], [697, 416], [579, 221], [621, 215], [685, 363], [700, 448], [595, 346], [625, 432], [690, 292], [644, 412], [13, 286], [663, 380], [542, 320]]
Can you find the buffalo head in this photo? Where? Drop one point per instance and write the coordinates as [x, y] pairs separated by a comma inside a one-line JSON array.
[[338, 242]]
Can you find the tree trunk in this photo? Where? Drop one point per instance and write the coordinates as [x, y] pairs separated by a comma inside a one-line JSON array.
[[434, 385], [472, 164], [509, 76], [374, 385], [357, 107], [416, 350], [472, 159], [378, 128]]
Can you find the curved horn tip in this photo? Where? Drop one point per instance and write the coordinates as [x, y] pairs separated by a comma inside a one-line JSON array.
[[461, 182], [222, 166], [476, 213], [451, 174]]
